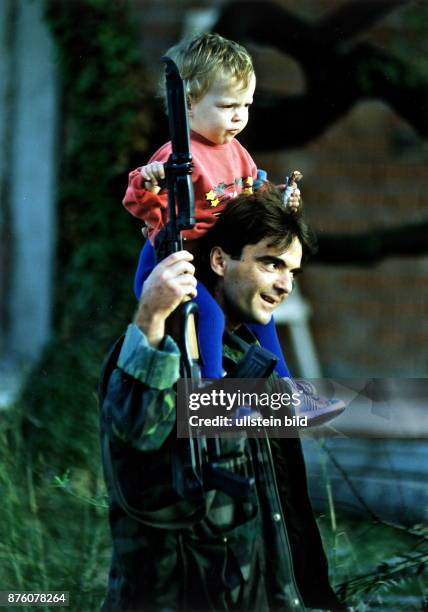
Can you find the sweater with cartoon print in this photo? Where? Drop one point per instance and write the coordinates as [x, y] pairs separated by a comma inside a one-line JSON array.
[[220, 172]]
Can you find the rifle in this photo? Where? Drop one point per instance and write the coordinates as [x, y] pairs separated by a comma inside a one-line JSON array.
[[187, 462], [194, 461]]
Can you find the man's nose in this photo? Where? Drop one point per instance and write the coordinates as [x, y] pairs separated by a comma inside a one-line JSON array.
[[284, 282]]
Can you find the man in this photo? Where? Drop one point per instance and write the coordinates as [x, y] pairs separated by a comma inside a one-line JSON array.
[[219, 551]]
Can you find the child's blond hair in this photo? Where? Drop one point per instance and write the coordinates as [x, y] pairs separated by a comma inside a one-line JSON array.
[[203, 58]]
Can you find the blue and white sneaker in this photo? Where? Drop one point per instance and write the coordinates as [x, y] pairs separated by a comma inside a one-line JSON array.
[[318, 409]]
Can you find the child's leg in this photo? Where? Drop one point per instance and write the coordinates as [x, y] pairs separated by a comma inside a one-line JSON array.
[[316, 409], [146, 263], [211, 317], [268, 338], [210, 333]]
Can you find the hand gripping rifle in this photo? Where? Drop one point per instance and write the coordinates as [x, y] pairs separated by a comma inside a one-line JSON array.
[[194, 463]]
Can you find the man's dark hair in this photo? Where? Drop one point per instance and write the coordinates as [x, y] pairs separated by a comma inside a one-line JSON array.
[[248, 219]]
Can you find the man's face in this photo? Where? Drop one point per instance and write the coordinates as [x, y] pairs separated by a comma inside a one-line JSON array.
[[223, 111], [252, 287]]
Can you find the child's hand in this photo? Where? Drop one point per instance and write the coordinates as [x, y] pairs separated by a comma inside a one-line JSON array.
[[295, 198], [152, 174], [292, 196], [146, 228]]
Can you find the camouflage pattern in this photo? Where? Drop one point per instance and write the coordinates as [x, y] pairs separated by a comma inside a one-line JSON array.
[[260, 553]]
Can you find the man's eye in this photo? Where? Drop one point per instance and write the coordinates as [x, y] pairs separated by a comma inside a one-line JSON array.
[[271, 266]]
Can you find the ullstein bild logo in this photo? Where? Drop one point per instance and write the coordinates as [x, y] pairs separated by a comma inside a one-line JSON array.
[[372, 407], [237, 406]]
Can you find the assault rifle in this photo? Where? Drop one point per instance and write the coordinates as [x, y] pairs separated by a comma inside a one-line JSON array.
[[187, 461], [195, 460]]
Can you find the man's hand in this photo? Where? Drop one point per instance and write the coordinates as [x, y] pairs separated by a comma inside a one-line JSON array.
[[170, 283], [152, 174]]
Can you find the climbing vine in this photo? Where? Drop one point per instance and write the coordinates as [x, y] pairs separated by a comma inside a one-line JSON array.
[[106, 122]]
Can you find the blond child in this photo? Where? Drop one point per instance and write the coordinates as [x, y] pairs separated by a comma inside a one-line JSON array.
[[220, 82]]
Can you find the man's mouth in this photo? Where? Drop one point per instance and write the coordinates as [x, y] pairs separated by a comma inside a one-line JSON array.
[[273, 301]]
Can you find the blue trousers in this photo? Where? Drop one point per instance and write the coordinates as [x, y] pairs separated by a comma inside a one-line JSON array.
[[211, 323]]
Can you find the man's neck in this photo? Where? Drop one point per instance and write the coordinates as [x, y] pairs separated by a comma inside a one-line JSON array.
[[230, 322]]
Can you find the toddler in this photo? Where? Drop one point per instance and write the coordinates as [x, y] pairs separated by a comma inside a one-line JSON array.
[[219, 79]]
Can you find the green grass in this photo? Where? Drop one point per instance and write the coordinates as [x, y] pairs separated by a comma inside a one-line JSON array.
[[377, 566], [53, 529], [54, 536]]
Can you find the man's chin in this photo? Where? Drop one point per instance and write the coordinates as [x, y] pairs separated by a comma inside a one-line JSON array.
[[261, 318]]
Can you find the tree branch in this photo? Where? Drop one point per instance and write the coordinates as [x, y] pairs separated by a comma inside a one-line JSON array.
[[370, 248], [337, 75]]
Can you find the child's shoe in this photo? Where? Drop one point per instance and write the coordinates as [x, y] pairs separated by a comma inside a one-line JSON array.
[[318, 409]]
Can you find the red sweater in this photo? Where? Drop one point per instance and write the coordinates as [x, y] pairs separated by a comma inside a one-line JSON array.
[[220, 172]]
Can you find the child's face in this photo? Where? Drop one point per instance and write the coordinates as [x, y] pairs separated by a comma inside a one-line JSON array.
[[223, 111]]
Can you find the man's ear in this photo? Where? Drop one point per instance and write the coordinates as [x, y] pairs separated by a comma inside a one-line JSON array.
[[218, 260]]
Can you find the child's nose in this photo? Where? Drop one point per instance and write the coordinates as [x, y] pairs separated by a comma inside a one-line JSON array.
[[239, 114]]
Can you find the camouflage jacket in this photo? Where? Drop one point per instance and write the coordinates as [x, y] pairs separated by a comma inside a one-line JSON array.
[[259, 553]]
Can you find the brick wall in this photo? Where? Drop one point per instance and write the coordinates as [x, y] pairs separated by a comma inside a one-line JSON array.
[[366, 321], [367, 171]]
